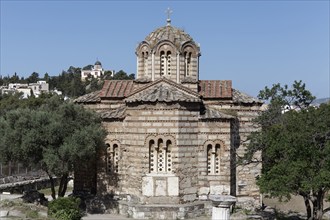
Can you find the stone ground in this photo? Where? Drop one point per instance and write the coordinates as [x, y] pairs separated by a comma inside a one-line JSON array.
[[120, 217], [104, 216], [296, 204], [294, 209]]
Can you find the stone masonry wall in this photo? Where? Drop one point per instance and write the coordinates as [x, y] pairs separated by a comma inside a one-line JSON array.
[[210, 132], [187, 157], [247, 191], [189, 154], [141, 123]]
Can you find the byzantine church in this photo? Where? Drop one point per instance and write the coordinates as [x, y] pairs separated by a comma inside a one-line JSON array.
[[173, 139]]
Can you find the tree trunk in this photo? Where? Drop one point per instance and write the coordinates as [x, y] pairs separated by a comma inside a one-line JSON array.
[[52, 185], [63, 185], [318, 205], [308, 207]]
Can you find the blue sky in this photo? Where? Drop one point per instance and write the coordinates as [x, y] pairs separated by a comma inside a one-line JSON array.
[[253, 43]]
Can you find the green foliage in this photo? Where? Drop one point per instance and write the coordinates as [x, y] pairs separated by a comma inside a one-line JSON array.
[[295, 145], [33, 78], [93, 84], [121, 75], [88, 67], [14, 101], [66, 208], [32, 214], [69, 81], [54, 136], [278, 99]]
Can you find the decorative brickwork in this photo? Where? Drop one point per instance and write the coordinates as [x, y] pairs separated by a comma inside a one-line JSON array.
[[172, 138]]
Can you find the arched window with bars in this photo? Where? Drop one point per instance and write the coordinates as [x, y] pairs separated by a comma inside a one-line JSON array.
[[162, 63], [160, 156], [187, 63], [165, 63], [213, 159], [145, 63], [168, 62], [112, 158]]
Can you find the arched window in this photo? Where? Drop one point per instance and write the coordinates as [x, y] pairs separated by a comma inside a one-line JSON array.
[[168, 61], [145, 63], [160, 156], [112, 158], [162, 63], [213, 159], [165, 63], [187, 62]]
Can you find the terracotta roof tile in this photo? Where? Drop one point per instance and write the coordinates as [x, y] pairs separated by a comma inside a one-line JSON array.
[[116, 88], [89, 98]]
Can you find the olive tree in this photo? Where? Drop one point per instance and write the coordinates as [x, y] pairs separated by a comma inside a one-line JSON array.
[[55, 137]]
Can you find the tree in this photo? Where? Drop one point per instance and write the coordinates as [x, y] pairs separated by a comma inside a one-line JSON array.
[[107, 74], [55, 137], [94, 84], [46, 77], [122, 75], [14, 78], [88, 67], [69, 82], [295, 143], [33, 78], [14, 101]]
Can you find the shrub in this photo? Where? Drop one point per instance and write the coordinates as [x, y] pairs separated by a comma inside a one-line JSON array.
[[65, 208], [32, 214]]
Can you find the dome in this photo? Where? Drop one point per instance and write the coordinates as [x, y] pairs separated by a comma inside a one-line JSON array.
[[177, 36], [98, 63]]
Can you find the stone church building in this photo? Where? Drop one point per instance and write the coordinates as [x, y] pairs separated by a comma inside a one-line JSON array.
[[173, 139]]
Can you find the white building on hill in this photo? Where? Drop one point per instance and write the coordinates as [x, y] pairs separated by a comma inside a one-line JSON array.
[[96, 72]]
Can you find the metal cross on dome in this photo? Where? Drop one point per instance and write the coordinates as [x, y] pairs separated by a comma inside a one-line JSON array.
[[168, 12]]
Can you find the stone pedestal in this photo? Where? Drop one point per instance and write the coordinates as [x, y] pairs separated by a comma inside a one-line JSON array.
[[221, 212], [160, 185], [221, 206]]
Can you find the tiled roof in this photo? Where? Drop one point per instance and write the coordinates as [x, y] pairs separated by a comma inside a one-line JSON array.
[[214, 114], [241, 97], [171, 33], [215, 88], [189, 79], [166, 90], [92, 97], [163, 92], [118, 113], [117, 88], [144, 79]]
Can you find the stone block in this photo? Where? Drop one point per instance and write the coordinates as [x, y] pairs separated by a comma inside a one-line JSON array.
[[151, 130], [189, 198], [3, 213], [174, 130], [146, 124], [147, 186], [202, 197], [163, 130], [219, 190], [160, 187], [173, 186], [204, 190], [190, 190], [138, 215], [168, 124]]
